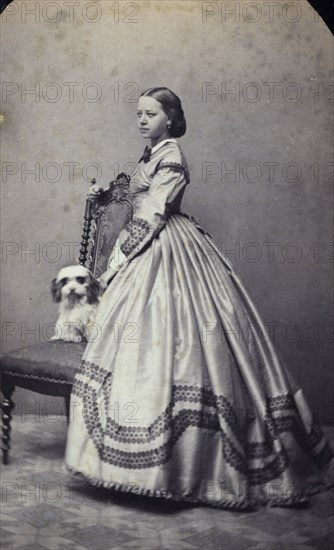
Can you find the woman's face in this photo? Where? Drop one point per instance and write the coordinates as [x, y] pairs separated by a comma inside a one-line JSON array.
[[152, 119]]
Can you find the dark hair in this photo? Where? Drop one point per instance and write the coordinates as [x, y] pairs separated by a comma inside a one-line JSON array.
[[171, 104]]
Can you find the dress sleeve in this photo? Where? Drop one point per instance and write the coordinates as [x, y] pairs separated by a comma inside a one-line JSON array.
[[150, 215]]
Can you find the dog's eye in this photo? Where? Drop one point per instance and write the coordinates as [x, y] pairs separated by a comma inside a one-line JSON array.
[[81, 280], [64, 282]]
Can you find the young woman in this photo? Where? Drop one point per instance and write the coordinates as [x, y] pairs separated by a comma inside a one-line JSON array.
[[174, 401]]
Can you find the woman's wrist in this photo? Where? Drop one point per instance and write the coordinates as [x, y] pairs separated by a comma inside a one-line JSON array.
[[106, 277], [117, 257]]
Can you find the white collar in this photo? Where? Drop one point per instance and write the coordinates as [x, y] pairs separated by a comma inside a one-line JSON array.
[[161, 143]]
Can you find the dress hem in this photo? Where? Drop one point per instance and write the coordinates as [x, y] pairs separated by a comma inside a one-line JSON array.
[[242, 505]]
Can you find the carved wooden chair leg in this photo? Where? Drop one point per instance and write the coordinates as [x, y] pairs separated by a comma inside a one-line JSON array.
[[6, 406], [67, 407]]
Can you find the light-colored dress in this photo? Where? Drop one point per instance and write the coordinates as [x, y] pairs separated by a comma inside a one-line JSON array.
[[175, 399]]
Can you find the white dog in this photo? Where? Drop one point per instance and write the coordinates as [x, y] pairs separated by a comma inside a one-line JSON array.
[[77, 292]]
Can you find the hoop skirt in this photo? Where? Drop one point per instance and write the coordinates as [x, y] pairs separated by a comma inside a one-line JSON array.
[[182, 396]]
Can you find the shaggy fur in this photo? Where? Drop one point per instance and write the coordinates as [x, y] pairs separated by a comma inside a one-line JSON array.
[[77, 292]]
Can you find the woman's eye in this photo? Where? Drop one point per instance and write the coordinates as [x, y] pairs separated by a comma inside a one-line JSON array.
[[150, 115]]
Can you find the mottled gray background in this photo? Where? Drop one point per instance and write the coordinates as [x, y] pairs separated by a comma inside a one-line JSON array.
[[197, 54]]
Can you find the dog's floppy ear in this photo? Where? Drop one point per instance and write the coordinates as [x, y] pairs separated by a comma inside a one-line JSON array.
[[93, 290], [55, 291]]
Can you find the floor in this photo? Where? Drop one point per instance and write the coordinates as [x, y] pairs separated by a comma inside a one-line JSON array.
[[44, 507]]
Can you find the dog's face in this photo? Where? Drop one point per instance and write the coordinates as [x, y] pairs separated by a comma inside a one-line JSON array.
[[75, 284]]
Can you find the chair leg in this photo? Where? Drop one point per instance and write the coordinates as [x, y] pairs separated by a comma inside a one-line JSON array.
[[67, 407], [6, 406]]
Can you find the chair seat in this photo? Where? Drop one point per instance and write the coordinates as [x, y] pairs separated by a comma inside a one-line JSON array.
[[53, 360], [48, 368]]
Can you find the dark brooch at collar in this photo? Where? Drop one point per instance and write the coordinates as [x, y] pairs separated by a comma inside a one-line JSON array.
[[146, 155]]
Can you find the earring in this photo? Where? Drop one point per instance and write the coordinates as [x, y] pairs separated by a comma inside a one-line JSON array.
[[169, 125]]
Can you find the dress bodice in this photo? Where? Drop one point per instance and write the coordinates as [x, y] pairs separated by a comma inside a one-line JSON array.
[[168, 156], [157, 189]]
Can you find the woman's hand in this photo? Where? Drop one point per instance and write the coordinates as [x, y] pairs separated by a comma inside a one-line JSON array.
[[95, 190], [106, 277]]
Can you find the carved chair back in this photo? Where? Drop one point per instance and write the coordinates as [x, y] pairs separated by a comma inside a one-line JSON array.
[[105, 215]]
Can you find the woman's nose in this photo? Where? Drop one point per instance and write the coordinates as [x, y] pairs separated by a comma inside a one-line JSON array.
[[143, 119]]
